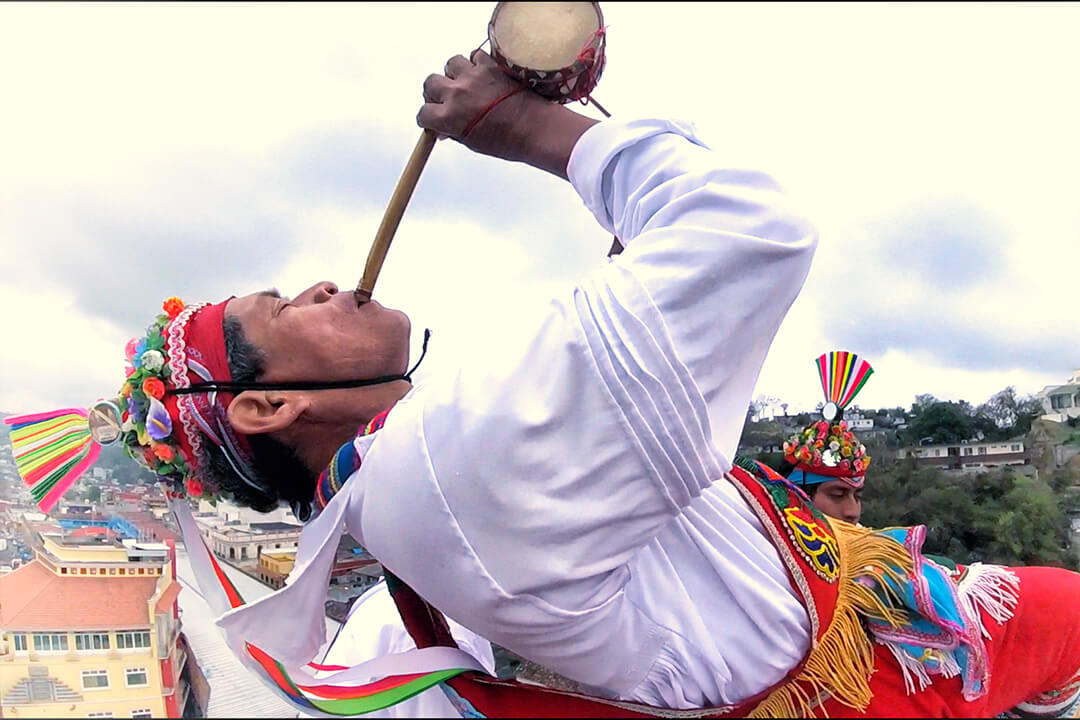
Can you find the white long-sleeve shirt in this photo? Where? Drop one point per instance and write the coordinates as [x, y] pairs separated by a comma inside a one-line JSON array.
[[565, 498]]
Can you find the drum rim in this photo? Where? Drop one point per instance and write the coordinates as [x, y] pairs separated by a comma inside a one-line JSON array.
[[572, 70]]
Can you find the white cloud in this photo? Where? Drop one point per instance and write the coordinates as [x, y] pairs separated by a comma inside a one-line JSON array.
[[55, 354]]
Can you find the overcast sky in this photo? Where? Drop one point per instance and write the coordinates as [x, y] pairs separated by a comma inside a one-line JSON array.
[[206, 150]]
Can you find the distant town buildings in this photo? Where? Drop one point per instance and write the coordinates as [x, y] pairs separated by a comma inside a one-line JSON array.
[[242, 535], [275, 567], [90, 628]]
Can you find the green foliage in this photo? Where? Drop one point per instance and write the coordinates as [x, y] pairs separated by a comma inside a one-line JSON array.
[[1003, 416], [999, 517], [940, 422], [762, 434]]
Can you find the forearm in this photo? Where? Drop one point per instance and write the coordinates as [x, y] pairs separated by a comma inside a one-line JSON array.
[[550, 136], [718, 253]]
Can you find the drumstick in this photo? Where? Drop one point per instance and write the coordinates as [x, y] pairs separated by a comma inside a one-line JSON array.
[[392, 217]]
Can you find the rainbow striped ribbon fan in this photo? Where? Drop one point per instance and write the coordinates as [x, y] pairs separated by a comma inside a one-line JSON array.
[[52, 450], [843, 374]]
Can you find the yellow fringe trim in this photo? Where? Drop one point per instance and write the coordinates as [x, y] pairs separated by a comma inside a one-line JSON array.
[[841, 663]]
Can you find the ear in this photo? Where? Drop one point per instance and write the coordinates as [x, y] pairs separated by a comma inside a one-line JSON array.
[[255, 412]]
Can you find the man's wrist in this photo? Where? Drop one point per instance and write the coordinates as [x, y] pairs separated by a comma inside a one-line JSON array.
[[552, 133]]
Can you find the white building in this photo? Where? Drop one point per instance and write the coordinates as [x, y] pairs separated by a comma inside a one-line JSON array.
[[1061, 402], [856, 421], [242, 535], [228, 512], [969, 455]]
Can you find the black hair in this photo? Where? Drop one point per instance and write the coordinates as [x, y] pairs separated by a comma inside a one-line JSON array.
[[277, 466], [785, 467]]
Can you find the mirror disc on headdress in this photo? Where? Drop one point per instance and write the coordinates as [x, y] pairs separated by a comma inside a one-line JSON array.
[[831, 411], [104, 421]]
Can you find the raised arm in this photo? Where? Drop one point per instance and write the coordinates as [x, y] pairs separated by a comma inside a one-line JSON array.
[[729, 272]]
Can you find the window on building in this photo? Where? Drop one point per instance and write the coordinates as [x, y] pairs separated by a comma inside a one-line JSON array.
[[135, 677], [1015, 448], [103, 713], [20, 642], [50, 642], [968, 451], [132, 639], [143, 713], [95, 679], [1060, 402], [982, 450], [92, 641]]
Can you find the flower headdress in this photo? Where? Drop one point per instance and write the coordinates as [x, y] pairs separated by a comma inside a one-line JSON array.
[[827, 449], [159, 425]]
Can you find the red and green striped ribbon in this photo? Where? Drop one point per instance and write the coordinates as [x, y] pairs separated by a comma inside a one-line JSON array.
[[335, 699]]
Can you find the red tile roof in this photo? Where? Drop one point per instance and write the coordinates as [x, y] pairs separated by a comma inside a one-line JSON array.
[[93, 531], [34, 598], [165, 602]]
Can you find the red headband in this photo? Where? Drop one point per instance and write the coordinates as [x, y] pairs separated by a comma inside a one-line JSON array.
[[195, 344]]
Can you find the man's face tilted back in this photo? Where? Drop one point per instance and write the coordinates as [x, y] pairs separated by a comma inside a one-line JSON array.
[[323, 334]]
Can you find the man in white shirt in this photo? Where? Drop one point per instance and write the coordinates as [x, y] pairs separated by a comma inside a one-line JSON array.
[[566, 500], [571, 498]]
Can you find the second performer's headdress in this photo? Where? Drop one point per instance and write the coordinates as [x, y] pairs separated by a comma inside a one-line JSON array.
[[827, 449]]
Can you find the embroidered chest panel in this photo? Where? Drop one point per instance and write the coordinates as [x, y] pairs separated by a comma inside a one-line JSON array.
[[807, 530]]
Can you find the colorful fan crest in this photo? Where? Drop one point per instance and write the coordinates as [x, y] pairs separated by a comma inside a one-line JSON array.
[[843, 374]]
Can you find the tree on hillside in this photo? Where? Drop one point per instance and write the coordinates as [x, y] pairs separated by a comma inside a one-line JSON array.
[[922, 402], [1010, 413], [762, 405], [761, 434], [940, 422], [1031, 526]]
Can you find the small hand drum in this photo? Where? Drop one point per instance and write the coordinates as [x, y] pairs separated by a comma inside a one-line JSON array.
[[555, 48]]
